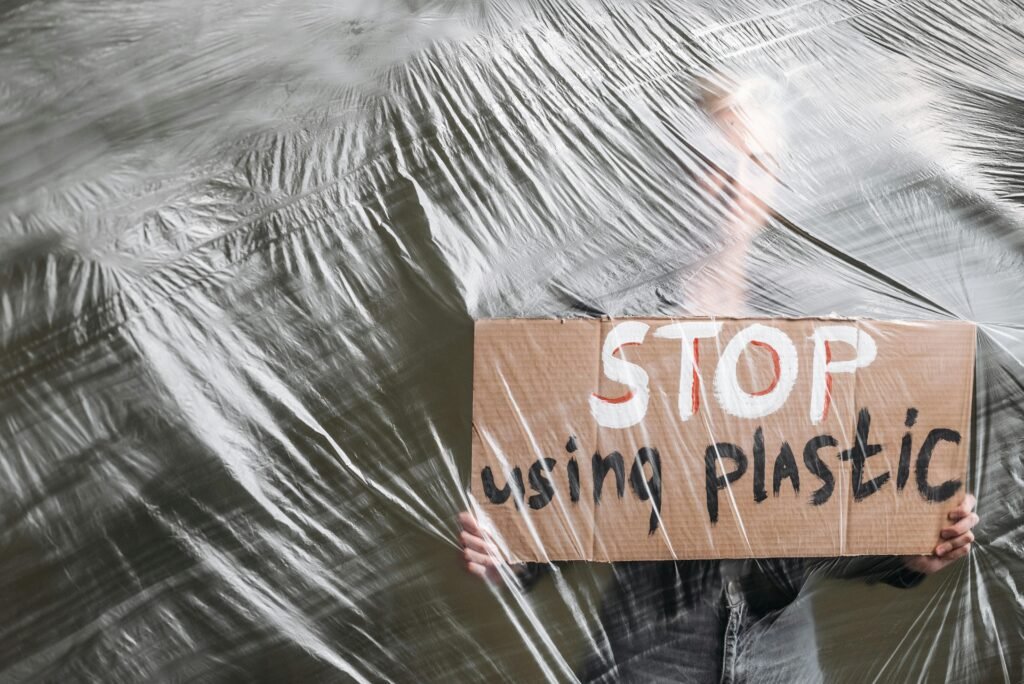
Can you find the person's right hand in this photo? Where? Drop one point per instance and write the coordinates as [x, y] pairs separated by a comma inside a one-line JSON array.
[[480, 556]]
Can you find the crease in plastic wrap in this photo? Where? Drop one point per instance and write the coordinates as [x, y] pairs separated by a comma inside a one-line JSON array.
[[244, 246]]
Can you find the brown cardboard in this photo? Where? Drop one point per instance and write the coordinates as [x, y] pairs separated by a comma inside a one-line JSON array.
[[533, 383]]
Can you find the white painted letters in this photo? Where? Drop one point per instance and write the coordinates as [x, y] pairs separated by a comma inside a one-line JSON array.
[[737, 401], [824, 367], [689, 373], [630, 408]]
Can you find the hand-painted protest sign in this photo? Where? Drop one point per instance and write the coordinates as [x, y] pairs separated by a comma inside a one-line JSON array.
[[656, 439]]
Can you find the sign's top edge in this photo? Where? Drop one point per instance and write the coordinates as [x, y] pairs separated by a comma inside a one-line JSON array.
[[912, 321]]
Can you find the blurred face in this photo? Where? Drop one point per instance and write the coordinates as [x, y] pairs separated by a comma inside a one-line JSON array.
[[752, 134], [755, 136]]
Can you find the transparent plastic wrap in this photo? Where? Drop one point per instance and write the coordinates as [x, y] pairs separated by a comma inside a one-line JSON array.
[[243, 247]]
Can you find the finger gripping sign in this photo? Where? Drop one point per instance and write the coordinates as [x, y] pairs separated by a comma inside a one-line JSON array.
[[660, 439]]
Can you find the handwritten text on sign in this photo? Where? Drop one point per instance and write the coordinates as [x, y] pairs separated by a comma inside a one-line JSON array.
[[800, 410]]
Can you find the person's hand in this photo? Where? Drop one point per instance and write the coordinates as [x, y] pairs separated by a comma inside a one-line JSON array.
[[479, 555], [955, 540]]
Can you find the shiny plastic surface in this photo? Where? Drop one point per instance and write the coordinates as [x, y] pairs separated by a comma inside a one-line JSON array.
[[242, 246]]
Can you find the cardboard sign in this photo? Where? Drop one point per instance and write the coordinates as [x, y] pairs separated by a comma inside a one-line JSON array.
[[657, 439]]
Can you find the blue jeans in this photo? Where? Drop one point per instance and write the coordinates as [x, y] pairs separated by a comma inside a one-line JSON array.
[[707, 621]]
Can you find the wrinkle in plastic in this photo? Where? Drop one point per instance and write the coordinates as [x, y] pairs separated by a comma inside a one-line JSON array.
[[243, 247]]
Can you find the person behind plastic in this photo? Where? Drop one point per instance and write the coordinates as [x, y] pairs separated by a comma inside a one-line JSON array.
[[700, 620]]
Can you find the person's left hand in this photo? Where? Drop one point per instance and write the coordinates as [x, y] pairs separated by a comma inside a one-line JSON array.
[[955, 540]]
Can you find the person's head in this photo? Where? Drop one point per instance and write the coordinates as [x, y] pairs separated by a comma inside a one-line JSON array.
[[749, 112]]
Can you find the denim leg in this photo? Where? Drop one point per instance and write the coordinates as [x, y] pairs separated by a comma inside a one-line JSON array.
[[662, 622], [736, 609]]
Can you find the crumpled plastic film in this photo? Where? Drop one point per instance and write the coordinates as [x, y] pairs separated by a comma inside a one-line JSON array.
[[243, 245]]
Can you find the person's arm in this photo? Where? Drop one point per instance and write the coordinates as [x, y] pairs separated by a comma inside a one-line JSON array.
[[889, 570]]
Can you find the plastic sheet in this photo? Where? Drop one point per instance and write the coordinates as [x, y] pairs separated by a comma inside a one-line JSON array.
[[243, 247]]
